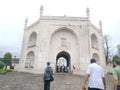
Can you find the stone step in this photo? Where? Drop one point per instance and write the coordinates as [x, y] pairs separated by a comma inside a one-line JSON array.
[[28, 81]]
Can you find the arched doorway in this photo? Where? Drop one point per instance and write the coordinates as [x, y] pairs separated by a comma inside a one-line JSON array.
[[63, 62]]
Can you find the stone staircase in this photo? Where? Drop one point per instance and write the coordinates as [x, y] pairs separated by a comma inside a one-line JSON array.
[[67, 81], [28, 81]]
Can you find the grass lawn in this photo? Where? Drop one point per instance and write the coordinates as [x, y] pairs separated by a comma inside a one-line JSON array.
[[4, 71]]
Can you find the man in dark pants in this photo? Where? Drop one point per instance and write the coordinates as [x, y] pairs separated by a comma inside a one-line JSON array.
[[47, 85], [47, 73]]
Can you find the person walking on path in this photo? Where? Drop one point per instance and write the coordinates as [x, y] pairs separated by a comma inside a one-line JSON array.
[[95, 77], [116, 75], [48, 73]]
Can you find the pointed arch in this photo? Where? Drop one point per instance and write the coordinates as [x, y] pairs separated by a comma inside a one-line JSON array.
[[32, 39], [63, 61], [64, 29], [29, 62], [94, 41]]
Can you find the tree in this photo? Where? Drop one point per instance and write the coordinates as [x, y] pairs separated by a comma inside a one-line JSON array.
[[1, 65], [107, 48], [7, 59]]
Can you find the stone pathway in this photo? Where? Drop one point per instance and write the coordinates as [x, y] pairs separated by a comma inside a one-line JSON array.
[[28, 81]]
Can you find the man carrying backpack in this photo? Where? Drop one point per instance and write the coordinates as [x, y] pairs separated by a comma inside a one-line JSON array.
[[48, 75]]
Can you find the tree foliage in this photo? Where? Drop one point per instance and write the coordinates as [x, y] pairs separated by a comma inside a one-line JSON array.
[[1, 65], [7, 59]]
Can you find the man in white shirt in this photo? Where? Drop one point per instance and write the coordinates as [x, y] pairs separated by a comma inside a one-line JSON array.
[[95, 77]]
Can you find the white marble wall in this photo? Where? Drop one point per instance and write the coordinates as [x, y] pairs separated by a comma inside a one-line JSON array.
[[49, 32]]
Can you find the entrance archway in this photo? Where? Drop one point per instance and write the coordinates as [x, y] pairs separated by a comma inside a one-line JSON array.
[[63, 62]]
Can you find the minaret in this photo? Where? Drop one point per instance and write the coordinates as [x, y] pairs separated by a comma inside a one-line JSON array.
[[88, 28], [100, 24], [26, 22], [41, 10], [88, 13]]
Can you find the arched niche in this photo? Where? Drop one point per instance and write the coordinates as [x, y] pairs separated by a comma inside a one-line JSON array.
[[32, 40], [63, 32], [94, 41], [29, 62]]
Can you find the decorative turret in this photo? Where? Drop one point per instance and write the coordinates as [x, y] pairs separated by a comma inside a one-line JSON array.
[[26, 22], [100, 24], [88, 13], [41, 10]]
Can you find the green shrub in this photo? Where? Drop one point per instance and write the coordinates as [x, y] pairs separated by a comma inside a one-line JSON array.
[[8, 70], [109, 73], [2, 71]]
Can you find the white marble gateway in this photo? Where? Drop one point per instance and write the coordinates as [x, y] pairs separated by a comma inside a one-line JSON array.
[[68, 42]]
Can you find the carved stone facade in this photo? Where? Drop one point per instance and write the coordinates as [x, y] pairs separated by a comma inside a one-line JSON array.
[[62, 40]]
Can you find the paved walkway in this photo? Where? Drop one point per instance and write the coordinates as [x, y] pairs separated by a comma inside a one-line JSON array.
[[27, 81]]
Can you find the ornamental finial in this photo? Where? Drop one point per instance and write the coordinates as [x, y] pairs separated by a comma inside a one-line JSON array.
[[41, 10], [88, 13], [100, 24], [26, 22]]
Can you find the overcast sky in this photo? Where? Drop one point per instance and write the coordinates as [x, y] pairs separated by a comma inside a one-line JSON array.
[[14, 12]]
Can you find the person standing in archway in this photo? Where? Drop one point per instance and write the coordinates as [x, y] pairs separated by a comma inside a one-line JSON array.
[[48, 74]]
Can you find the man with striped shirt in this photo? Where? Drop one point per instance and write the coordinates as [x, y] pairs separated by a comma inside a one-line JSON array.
[[95, 77]]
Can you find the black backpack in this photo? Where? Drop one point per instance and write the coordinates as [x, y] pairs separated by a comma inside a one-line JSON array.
[[47, 74]]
